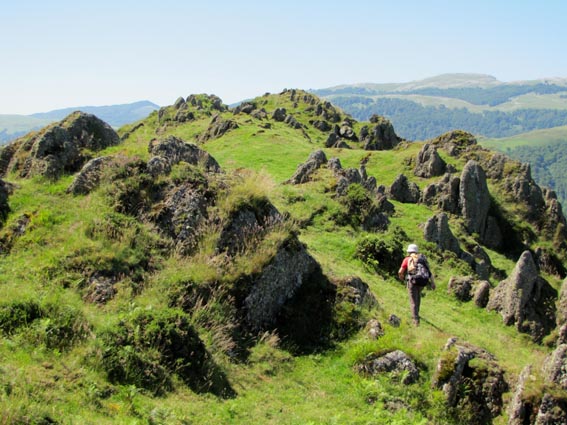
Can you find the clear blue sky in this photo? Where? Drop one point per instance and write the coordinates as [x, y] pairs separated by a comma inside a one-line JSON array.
[[61, 53]]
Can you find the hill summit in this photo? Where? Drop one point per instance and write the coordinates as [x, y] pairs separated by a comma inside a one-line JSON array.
[[205, 258]]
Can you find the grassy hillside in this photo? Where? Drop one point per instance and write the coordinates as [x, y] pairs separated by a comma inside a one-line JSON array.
[[57, 346]]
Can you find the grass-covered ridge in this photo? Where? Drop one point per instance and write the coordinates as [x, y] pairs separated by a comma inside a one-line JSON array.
[[108, 316]]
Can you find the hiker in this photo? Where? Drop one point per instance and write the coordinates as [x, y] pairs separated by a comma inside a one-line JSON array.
[[415, 271]]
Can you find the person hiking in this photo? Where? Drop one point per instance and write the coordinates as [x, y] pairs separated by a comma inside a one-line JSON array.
[[415, 271]]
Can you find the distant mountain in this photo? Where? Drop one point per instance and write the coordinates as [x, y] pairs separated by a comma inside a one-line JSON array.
[[477, 103], [13, 126]]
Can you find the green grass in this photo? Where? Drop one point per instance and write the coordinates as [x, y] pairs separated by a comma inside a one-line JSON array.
[[272, 386], [533, 138]]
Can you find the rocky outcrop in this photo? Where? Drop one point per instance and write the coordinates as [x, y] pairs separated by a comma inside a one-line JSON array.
[[181, 215], [89, 176], [520, 411], [552, 410], [555, 367], [481, 293], [403, 190], [277, 283], [335, 141], [525, 299], [374, 329], [562, 305], [175, 150], [396, 363], [246, 226], [455, 142], [444, 194], [474, 198], [279, 114], [60, 148], [355, 291], [461, 287], [437, 230], [217, 128], [304, 171], [328, 112], [429, 163], [475, 387], [4, 206], [381, 136]]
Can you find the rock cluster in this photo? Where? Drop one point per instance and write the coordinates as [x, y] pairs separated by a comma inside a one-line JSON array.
[[58, 149], [475, 387], [397, 363]]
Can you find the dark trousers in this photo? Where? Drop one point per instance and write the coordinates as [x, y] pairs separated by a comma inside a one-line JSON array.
[[414, 292]]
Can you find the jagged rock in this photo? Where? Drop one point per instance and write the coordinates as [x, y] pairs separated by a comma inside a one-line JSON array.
[[305, 171], [520, 410], [374, 329], [562, 305], [217, 128], [394, 320], [525, 299], [175, 150], [437, 230], [382, 136], [429, 163], [481, 293], [261, 114], [182, 214], [474, 198], [202, 101], [397, 363], [246, 225], [279, 114], [328, 112], [552, 410], [461, 287], [444, 195], [476, 387], [403, 190], [346, 131], [179, 103], [159, 166], [334, 164], [89, 176], [277, 283], [357, 292], [59, 148], [555, 367], [292, 122], [335, 141], [455, 142], [322, 125], [245, 108], [554, 222], [4, 206]]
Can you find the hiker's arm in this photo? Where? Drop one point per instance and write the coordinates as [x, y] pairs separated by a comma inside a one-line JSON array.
[[402, 273]]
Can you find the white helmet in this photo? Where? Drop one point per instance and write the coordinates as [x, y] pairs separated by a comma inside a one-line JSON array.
[[412, 248]]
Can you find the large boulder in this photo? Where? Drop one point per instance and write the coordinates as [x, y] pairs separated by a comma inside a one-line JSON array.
[[175, 150], [474, 198], [474, 388], [437, 230], [555, 367], [277, 283], [444, 194], [381, 137], [4, 207], [455, 142], [525, 299], [403, 190], [60, 148], [396, 363], [217, 128], [89, 176], [429, 163], [305, 171]]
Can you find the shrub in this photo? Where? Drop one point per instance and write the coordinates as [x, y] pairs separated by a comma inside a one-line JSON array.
[[382, 255], [17, 314]]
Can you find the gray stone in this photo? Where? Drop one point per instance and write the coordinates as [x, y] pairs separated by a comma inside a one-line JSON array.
[[555, 367], [473, 386], [306, 170], [382, 136], [474, 199], [525, 299], [481, 293], [403, 190], [374, 329], [175, 150], [460, 287], [397, 363], [217, 128], [437, 230], [429, 163], [89, 176], [519, 412]]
